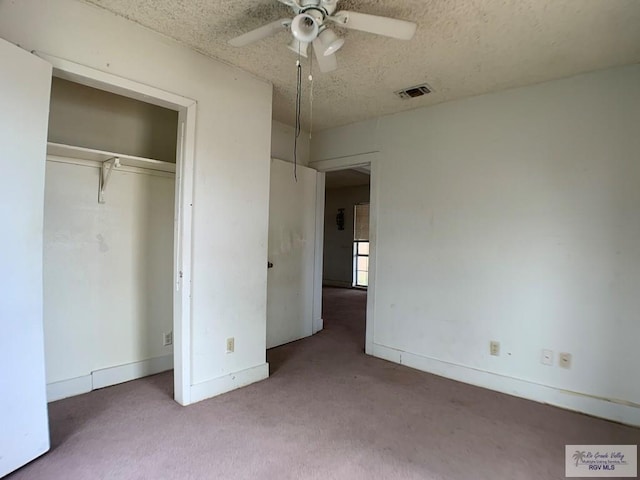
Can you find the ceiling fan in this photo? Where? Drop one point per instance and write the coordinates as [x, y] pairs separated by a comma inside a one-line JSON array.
[[310, 26]]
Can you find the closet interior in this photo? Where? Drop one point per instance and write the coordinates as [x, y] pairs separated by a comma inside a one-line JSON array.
[[108, 239]]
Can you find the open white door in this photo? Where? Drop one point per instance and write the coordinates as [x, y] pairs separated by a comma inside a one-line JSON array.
[[25, 85], [292, 229]]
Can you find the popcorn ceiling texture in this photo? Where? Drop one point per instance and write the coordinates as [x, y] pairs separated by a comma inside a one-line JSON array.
[[461, 48]]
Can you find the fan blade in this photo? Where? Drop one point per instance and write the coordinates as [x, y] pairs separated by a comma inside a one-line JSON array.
[[260, 33], [326, 63], [389, 27], [291, 3]]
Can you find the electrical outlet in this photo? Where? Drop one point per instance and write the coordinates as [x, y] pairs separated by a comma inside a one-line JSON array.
[[546, 358], [167, 338], [231, 344], [564, 360], [494, 348]]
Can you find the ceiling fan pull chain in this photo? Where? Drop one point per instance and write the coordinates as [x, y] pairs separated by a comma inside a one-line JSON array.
[[296, 132], [310, 96]]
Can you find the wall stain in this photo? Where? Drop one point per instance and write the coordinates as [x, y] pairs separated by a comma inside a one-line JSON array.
[[103, 247]]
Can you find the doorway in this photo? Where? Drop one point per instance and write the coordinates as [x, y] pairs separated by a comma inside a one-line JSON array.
[[347, 248], [180, 268], [108, 239], [371, 162]]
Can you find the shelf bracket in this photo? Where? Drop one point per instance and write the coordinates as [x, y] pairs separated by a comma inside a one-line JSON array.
[[105, 174]]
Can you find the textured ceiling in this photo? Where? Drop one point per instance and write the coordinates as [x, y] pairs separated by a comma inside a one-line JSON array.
[[461, 48]]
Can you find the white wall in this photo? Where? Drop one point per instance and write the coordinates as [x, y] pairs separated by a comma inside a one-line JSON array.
[[282, 142], [88, 117], [108, 269], [231, 179], [338, 244], [512, 217]]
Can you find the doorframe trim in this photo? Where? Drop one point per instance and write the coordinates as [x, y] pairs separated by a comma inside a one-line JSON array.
[[318, 322], [183, 217], [371, 159]]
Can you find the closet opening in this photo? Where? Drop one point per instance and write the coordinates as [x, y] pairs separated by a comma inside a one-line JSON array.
[[110, 220]]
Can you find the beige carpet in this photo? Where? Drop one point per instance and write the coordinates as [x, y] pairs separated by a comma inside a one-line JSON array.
[[327, 412]]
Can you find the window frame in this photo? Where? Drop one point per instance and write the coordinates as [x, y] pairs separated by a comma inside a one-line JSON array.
[[358, 243]]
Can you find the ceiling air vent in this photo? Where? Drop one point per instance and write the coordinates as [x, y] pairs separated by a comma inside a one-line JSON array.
[[413, 92]]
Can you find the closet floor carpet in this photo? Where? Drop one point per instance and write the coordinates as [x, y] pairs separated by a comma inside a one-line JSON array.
[[328, 411]]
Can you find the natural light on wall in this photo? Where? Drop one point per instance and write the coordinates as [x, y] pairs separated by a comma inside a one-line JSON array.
[[361, 245]]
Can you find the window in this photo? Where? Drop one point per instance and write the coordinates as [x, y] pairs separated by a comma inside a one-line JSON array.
[[361, 245]]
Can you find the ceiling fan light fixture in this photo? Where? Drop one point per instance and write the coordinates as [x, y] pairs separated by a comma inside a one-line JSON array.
[[331, 43], [304, 28], [297, 46]]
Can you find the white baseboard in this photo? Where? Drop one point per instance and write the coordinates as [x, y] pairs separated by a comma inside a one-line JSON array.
[[69, 388], [318, 324], [108, 376], [123, 373], [580, 402], [226, 383]]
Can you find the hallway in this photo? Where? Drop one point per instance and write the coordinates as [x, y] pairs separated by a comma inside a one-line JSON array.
[[343, 311], [327, 411]]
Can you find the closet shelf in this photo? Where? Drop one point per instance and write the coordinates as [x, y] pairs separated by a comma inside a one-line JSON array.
[[82, 153], [108, 161]]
